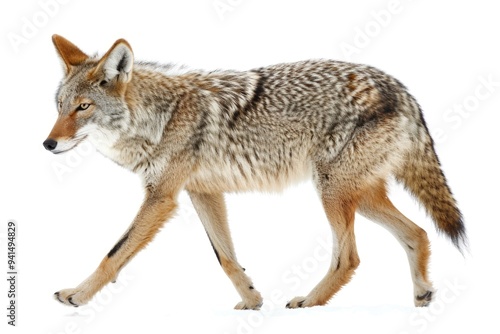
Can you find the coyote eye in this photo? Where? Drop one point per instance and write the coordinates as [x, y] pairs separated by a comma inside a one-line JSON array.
[[83, 106], [59, 105]]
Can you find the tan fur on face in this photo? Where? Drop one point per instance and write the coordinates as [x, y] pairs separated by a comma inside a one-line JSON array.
[[64, 128]]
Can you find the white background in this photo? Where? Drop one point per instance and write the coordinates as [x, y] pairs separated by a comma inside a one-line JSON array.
[[444, 51]]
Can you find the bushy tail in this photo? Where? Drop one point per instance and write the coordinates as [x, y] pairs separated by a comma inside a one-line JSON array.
[[423, 177]]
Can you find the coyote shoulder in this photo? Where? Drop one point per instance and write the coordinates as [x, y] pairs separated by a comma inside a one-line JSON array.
[[348, 127]]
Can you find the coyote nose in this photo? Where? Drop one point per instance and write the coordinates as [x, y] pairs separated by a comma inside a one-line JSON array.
[[50, 144]]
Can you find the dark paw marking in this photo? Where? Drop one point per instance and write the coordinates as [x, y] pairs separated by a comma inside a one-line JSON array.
[[256, 307], [299, 304], [426, 296], [70, 300], [56, 294]]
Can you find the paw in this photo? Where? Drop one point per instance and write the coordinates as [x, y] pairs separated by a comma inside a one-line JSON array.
[[424, 299], [248, 306], [299, 302], [253, 302], [72, 297]]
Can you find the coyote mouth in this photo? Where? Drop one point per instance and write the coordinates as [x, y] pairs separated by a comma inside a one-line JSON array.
[[78, 141]]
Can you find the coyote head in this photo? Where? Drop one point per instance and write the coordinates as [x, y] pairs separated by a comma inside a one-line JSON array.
[[91, 96]]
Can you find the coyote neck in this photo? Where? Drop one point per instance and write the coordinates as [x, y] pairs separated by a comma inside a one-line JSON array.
[[154, 100]]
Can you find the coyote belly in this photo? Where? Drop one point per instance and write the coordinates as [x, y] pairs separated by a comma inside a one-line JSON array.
[[347, 127]]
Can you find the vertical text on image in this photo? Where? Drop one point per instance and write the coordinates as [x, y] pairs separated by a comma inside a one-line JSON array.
[[12, 266]]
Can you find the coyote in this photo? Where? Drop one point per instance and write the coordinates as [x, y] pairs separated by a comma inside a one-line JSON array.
[[348, 127]]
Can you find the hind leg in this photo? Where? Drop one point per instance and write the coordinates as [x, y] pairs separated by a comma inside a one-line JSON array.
[[376, 206], [339, 204]]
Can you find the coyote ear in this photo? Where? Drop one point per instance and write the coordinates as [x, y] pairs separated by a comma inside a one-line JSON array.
[[69, 53], [117, 63]]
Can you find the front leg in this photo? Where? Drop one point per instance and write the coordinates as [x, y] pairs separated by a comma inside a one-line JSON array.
[[212, 212], [157, 208]]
